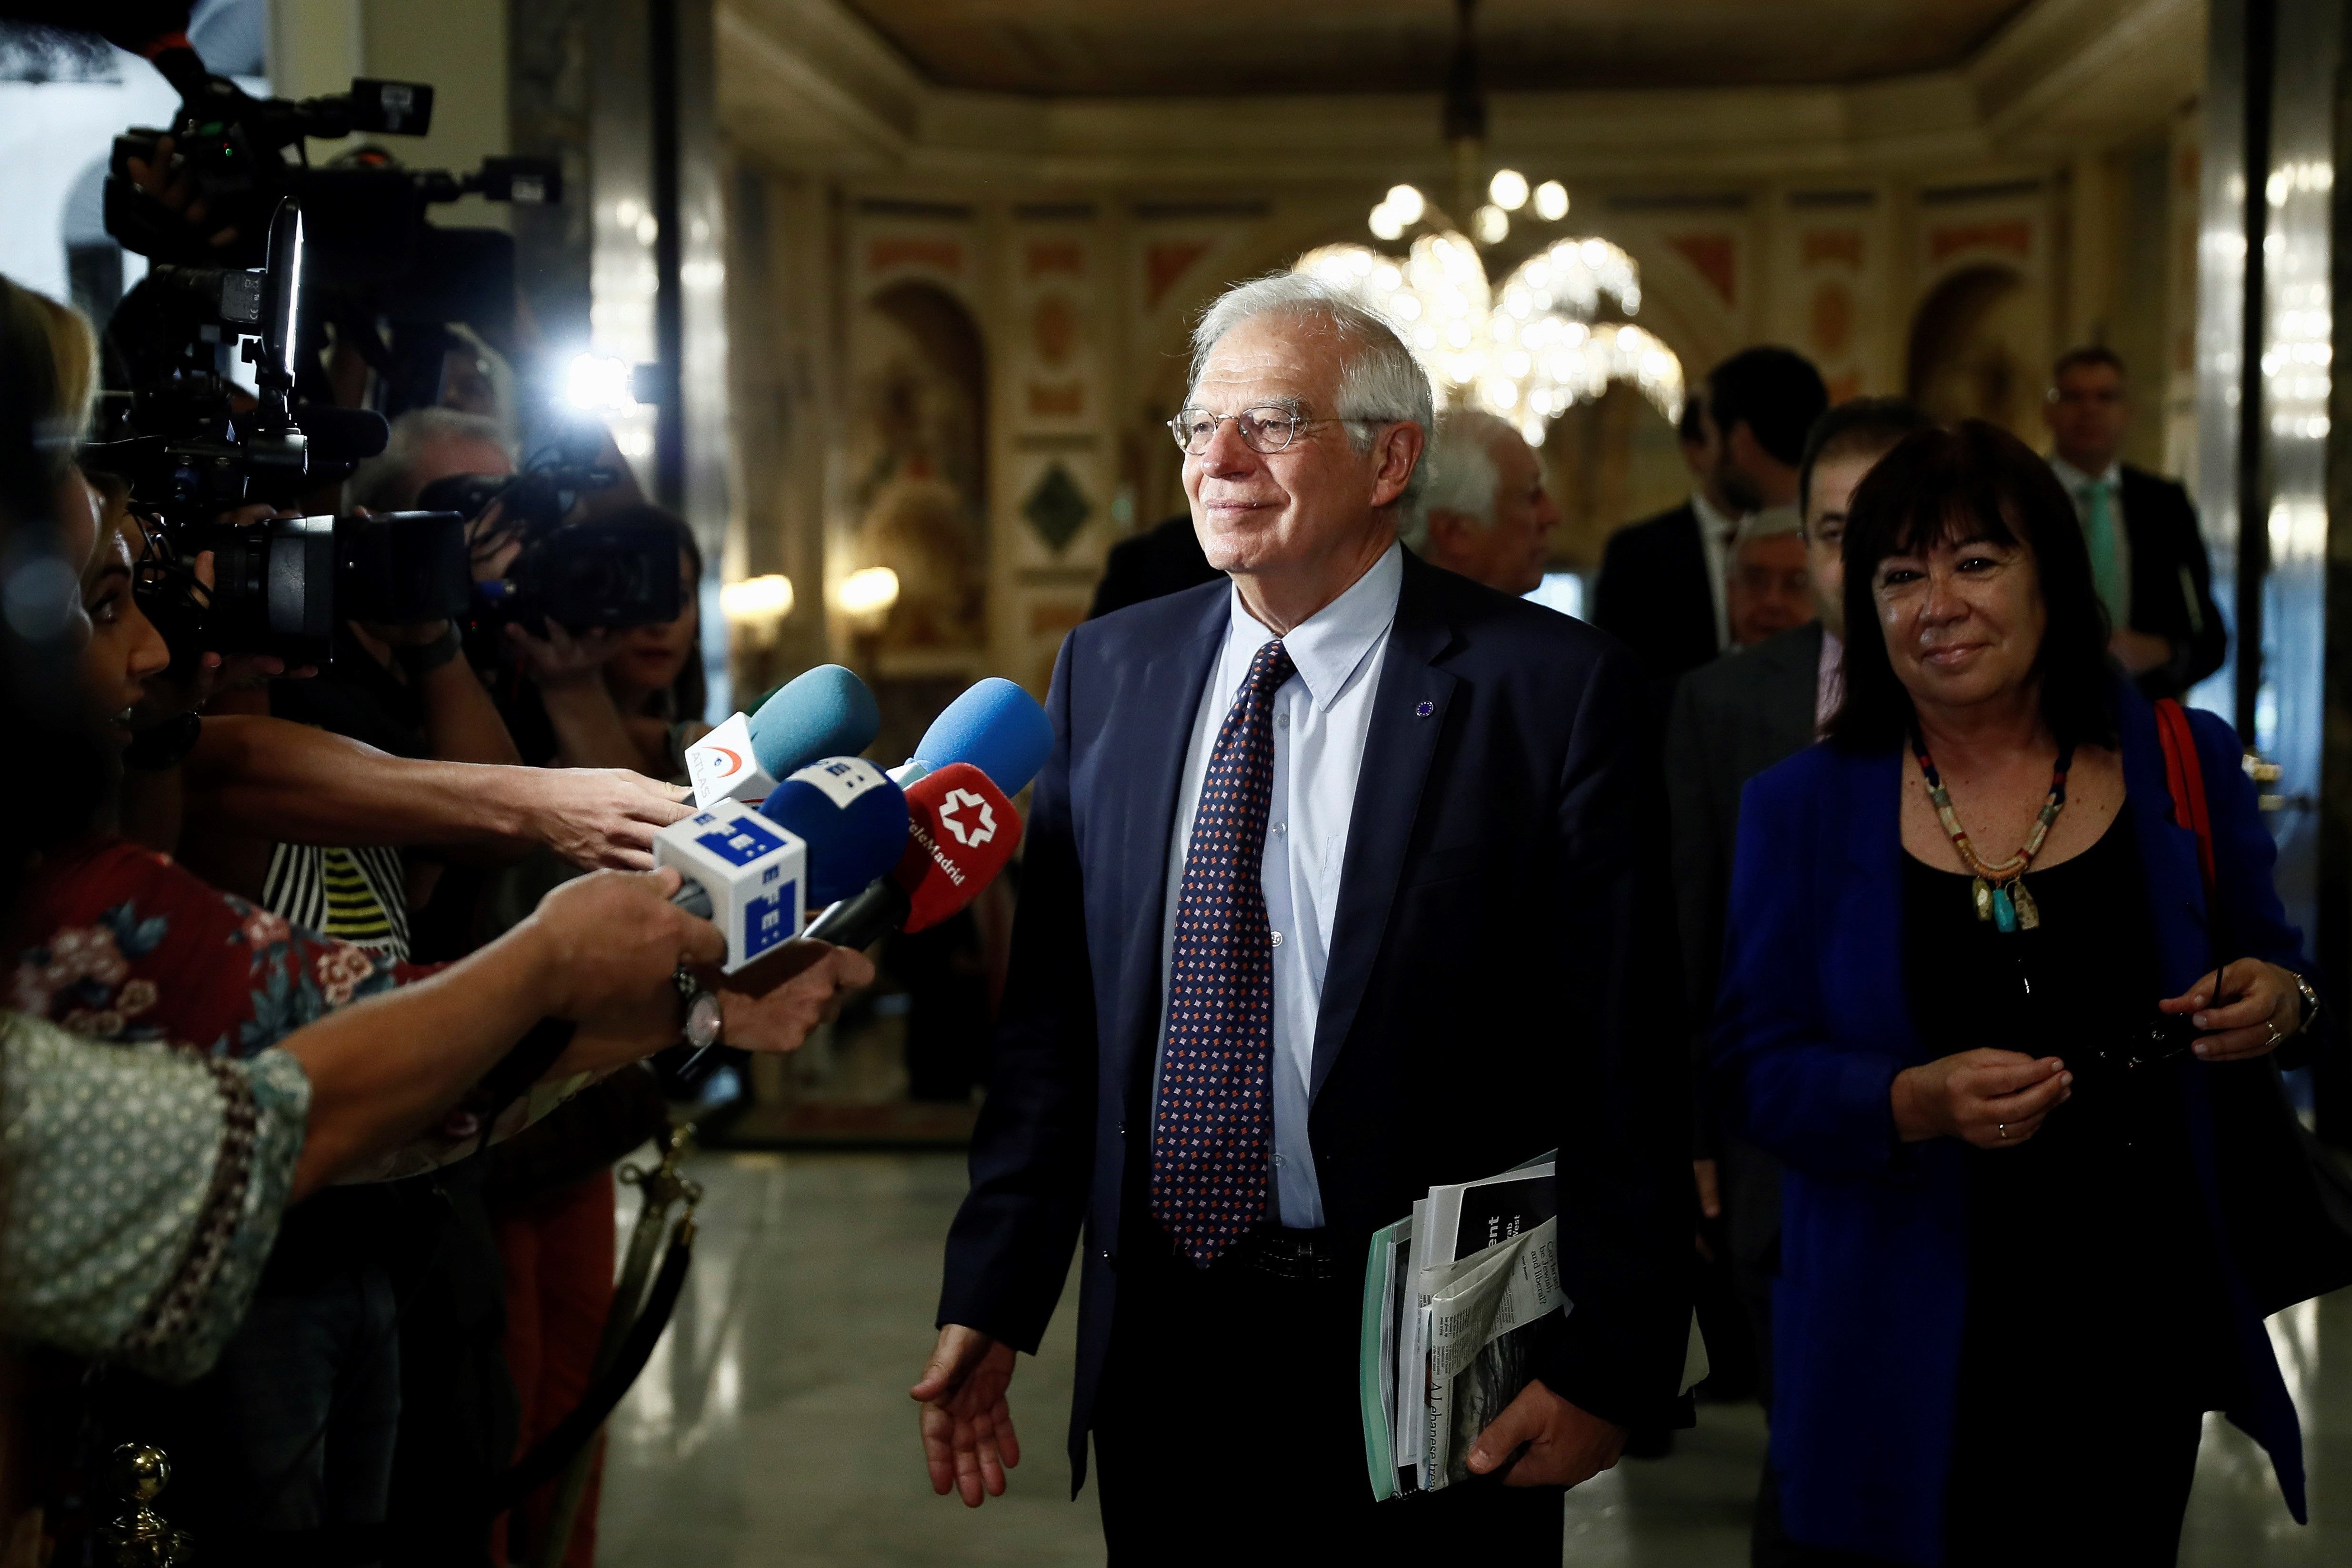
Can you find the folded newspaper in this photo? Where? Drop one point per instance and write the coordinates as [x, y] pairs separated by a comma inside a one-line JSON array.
[[1452, 1295], [1447, 1293]]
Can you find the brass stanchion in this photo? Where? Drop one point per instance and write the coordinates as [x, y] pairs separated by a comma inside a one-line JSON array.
[[139, 1537], [661, 1187]]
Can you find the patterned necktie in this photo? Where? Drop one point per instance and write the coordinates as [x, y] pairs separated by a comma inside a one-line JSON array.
[[1216, 1085], [2099, 533]]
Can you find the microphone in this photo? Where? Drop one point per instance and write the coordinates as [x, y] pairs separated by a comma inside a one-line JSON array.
[[851, 815], [962, 831], [823, 712], [744, 873], [994, 727]]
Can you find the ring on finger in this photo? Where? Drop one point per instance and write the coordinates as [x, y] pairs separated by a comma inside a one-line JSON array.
[[2002, 1127]]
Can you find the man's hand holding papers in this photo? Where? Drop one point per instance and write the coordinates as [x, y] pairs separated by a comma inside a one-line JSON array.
[[1564, 1446]]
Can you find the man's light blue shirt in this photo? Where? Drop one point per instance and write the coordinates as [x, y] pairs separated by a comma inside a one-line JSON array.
[[1321, 715]]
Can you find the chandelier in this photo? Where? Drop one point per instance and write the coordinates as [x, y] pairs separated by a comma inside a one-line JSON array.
[[1527, 355], [1529, 352]]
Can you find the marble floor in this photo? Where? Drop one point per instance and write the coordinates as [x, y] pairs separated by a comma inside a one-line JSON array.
[[772, 1426]]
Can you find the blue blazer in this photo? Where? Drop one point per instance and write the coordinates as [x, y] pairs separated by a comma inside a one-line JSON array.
[[1503, 944], [1813, 1023]]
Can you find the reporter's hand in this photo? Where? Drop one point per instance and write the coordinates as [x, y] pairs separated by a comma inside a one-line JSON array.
[[1564, 1446], [1994, 1099], [604, 818], [968, 1438], [612, 940], [772, 1005], [2268, 1009]]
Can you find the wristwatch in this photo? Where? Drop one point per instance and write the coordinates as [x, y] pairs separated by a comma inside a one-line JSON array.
[[417, 658], [705, 1016], [2310, 1004]]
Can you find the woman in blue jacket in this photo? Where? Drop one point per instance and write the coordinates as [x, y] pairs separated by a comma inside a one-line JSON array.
[[2038, 1169]]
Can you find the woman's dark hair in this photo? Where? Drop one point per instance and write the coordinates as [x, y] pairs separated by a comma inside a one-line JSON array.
[[1973, 482], [690, 693]]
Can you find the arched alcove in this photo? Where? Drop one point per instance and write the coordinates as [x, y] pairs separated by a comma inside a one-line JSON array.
[[1977, 346], [917, 477]]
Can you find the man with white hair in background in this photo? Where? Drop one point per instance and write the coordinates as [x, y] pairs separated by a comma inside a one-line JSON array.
[[1484, 512], [1346, 876]]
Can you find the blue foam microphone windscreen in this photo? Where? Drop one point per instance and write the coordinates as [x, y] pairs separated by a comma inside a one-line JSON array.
[[852, 817], [994, 727], [824, 712]]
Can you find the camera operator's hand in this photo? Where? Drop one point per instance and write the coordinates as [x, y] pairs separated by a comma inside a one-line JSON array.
[[603, 818], [562, 658], [610, 943], [774, 1004], [174, 693], [176, 189]]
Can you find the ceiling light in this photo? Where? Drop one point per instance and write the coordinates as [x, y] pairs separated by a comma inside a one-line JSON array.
[[1508, 190], [1551, 201]]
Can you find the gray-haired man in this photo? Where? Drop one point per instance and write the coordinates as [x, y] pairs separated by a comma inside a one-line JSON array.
[[1484, 514], [1318, 853]]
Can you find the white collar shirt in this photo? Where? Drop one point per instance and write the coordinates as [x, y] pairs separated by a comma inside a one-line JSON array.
[[1715, 532], [1321, 716]]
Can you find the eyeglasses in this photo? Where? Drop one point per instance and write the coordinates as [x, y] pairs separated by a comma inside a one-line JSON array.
[[1267, 428]]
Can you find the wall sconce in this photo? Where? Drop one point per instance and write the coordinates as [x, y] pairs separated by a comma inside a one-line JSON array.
[[867, 595], [755, 608]]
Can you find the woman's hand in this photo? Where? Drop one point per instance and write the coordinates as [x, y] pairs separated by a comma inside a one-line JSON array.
[[1994, 1099], [612, 941], [2267, 1008]]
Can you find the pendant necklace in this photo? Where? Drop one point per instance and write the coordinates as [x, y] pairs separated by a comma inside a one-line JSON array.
[[1999, 890]]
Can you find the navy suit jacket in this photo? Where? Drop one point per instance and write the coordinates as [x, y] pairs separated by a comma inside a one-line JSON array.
[[1812, 1026], [1502, 977]]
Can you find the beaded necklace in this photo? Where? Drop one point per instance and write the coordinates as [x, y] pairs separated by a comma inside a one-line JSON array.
[[1999, 890]]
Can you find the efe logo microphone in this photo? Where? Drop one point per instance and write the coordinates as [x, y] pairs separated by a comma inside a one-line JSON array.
[[956, 802]]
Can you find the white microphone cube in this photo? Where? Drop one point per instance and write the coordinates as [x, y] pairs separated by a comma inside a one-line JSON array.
[[755, 872], [721, 766]]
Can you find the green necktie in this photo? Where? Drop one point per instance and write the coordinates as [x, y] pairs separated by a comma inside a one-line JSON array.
[[2099, 532]]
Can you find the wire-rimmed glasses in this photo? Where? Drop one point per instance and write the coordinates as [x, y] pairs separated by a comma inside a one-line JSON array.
[[1267, 428]]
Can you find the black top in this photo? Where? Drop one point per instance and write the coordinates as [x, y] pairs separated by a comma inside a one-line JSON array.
[[2092, 1234]]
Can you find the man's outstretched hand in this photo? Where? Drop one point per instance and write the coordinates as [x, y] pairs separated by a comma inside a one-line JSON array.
[[968, 1438], [1565, 1446]]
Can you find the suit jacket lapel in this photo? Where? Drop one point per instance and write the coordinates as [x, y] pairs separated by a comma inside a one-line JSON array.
[[1148, 731], [1794, 693], [1399, 746]]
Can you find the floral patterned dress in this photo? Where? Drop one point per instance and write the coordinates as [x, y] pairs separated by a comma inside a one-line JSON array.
[[119, 943]]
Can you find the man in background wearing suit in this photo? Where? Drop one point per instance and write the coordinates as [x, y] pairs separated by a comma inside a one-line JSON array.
[[1163, 558], [1484, 514], [1345, 877], [2146, 554], [1661, 587], [1731, 721]]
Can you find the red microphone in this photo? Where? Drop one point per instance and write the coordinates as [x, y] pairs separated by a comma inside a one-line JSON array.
[[961, 833]]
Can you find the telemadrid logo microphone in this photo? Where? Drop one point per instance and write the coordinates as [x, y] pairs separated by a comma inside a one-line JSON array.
[[983, 827]]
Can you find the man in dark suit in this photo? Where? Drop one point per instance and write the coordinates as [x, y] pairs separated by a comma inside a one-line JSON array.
[[1165, 558], [1731, 720], [1662, 579], [1344, 878], [2147, 553]]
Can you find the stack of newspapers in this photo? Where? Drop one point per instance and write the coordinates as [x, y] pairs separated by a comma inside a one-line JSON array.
[[1451, 1296]]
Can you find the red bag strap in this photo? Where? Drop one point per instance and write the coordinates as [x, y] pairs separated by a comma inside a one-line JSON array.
[[2184, 776]]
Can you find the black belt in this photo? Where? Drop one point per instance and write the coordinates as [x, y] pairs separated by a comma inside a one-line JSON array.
[[1279, 1253]]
